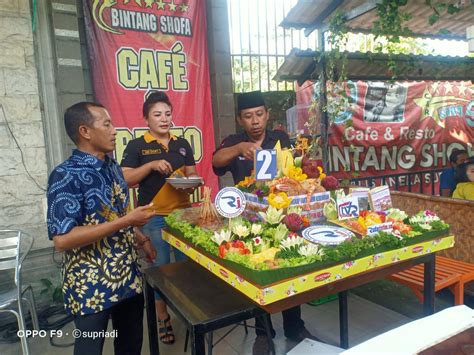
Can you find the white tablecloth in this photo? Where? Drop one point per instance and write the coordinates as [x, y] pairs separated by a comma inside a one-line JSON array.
[[418, 335]]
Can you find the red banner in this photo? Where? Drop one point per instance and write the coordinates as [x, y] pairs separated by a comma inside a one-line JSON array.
[[142, 45], [403, 127]]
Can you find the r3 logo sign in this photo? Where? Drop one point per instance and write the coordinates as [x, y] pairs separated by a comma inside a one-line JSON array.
[[265, 164]]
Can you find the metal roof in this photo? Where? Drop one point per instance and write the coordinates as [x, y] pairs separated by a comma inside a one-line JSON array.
[[301, 65], [313, 14]]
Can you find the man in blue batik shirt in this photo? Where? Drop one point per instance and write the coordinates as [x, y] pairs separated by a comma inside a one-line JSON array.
[[89, 220]]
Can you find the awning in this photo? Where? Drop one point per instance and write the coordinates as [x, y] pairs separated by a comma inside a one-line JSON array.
[[313, 14], [301, 65]]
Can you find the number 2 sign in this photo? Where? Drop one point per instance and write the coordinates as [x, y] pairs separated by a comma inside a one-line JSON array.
[[265, 164]]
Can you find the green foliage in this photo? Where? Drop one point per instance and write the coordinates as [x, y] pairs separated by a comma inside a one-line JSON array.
[[288, 253], [200, 237], [391, 20]]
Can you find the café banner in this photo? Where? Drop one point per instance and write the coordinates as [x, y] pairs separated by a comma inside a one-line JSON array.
[[139, 46], [402, 127]]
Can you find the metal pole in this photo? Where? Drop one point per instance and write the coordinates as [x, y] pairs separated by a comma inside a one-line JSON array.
[[343, 320], [323, 103], [429, 285]]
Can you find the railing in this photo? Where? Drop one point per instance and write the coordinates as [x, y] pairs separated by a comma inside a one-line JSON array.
[[423, 182], [259, 45]]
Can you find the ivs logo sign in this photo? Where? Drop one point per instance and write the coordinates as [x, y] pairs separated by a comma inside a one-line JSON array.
[[347, 207], [142, 15]]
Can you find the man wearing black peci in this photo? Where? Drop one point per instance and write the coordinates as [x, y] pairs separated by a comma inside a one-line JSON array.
[[235, 154]]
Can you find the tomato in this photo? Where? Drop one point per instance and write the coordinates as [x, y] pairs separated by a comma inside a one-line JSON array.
[[382, 216], [222, 250], [238, 244]]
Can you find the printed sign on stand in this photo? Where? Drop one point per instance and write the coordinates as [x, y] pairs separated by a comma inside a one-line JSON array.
[[362, 194], [380, 199], [347, 207], [382, 227], [230, 202], [265, 164]]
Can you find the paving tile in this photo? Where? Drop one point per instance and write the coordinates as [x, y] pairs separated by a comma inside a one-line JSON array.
[[366, 320]]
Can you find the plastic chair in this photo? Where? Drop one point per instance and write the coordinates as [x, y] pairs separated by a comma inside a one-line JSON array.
[[13, 249]]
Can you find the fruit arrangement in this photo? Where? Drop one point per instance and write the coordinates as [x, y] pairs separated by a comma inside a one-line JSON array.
[[301, 182]]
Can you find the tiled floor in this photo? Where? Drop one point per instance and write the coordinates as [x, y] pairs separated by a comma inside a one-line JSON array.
[[366, 320]]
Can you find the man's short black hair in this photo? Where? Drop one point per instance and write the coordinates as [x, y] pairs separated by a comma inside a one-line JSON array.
[[453, 158], [78, 115]]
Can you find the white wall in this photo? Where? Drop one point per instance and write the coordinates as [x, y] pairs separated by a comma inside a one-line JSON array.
[[21, 200]]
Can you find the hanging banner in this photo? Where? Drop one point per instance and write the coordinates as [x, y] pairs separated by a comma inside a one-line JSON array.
[[402, 127], [143, 45]]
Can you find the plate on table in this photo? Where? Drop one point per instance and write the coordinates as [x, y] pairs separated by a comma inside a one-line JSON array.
[[185, 182], [326, 235]]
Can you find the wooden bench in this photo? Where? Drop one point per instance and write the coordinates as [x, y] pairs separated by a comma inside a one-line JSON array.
[[448, 273]]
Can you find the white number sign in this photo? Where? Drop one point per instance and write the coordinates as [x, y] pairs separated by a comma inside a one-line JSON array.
[[265, 164]]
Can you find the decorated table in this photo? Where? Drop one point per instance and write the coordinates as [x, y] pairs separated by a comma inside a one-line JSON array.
[[289, 291], [297, 237]]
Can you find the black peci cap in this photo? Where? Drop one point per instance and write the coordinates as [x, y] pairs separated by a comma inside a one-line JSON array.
[[250, 100]]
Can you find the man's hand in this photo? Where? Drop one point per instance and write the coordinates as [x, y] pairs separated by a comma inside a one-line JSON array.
[[247, 149], [190, 190], [140, 215], [162, 166], [149, 251], [144, 242]]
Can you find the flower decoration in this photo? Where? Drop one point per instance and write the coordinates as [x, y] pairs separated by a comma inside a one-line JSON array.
[[322, 174], [223, 236], [294, 209], [256, 229], [330, 183], [311, 250], [241, 230], [395, 214], [312, 171], [293, 221], [279, 200], [257, 241], [296, 174], [302, 145], [292, 242], [249, 180], [306, 221], [272, 216], [280, 233], [424, 219], [430, 216]]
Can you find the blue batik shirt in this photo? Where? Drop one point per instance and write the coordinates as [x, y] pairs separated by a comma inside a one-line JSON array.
[[448, 180], [83, 191]]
